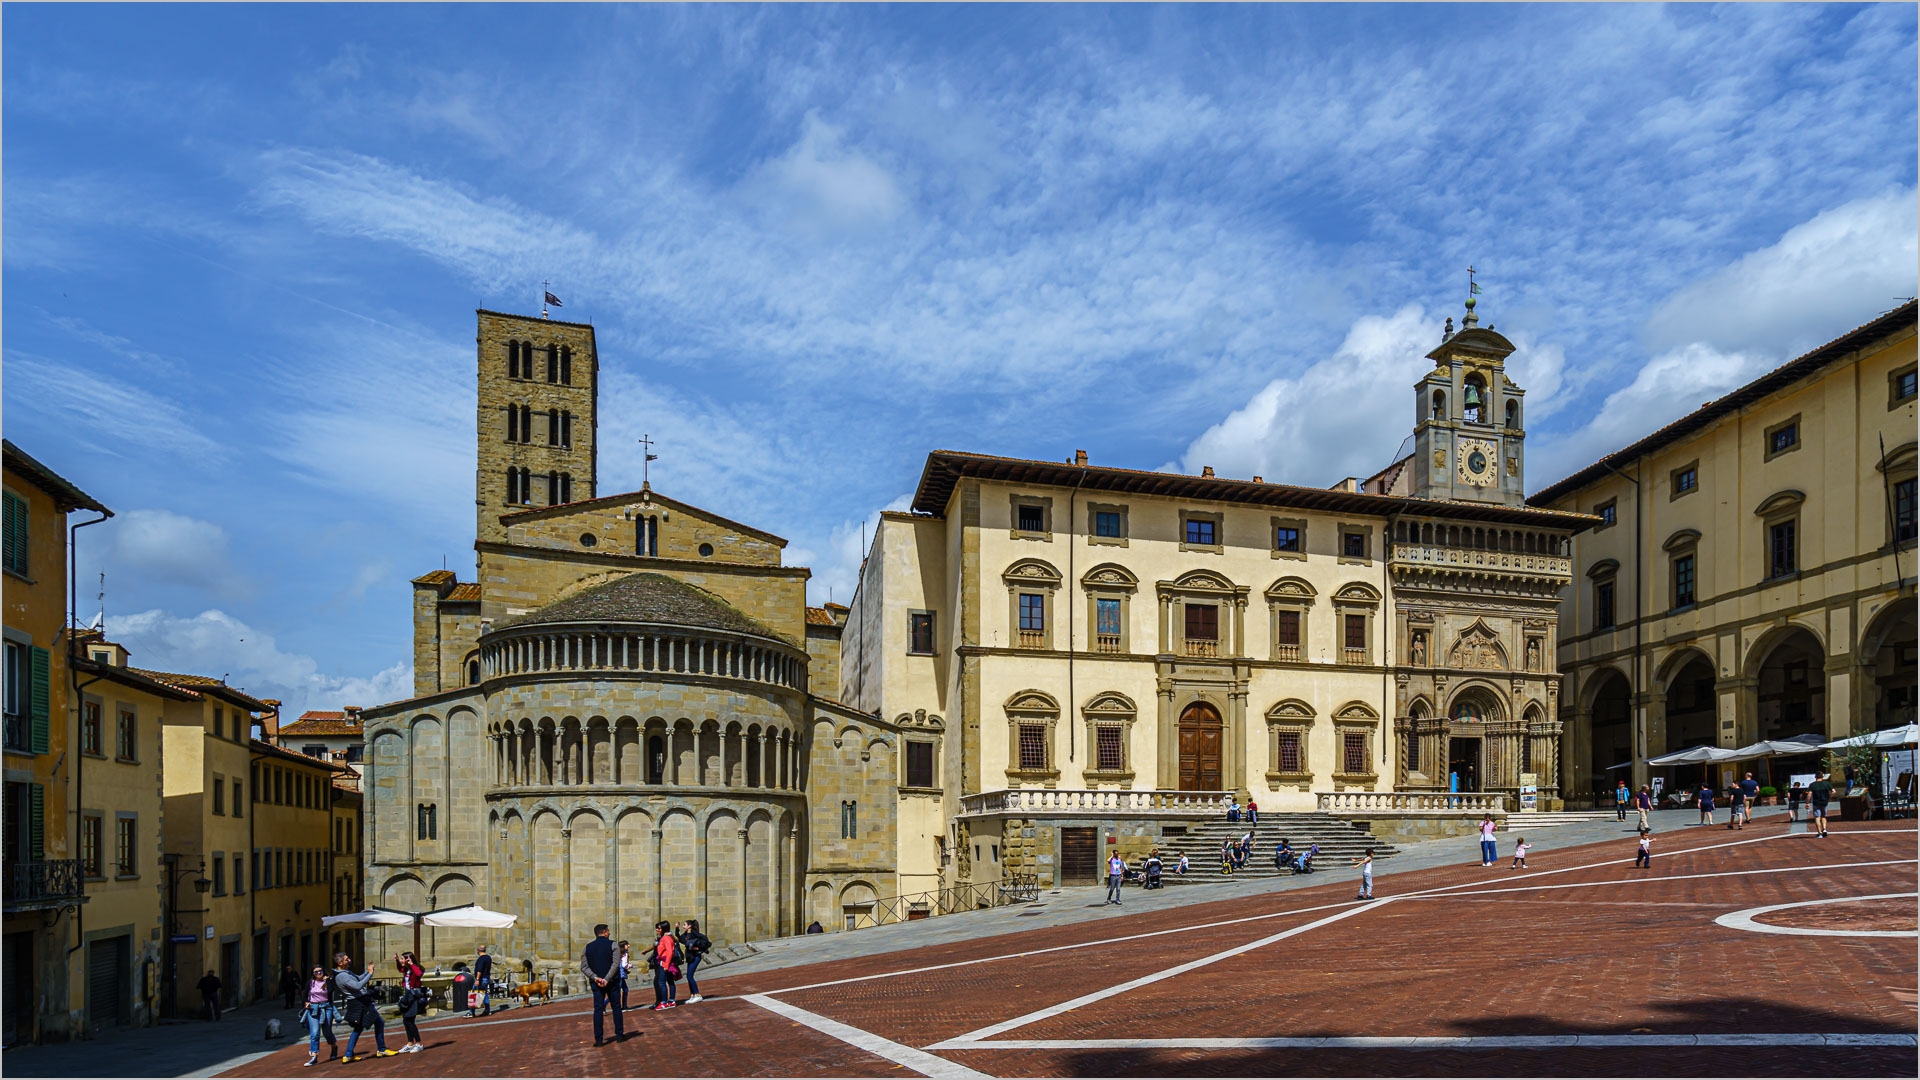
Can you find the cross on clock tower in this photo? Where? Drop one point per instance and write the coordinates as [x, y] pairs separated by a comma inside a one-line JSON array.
[[1468, 433]]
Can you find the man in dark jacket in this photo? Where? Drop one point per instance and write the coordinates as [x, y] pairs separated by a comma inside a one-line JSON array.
[[483, 982], [209, 988], [600, 964]]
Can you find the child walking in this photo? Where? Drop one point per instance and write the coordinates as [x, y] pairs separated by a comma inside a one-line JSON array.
[[1365, 863], [1645, 858], [1520, 854]]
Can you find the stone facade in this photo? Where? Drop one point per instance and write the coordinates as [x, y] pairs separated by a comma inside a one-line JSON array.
[[549, 371], [616, 721], [1753, 575]]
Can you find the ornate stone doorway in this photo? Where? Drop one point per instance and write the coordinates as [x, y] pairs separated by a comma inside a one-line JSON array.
[[1463, 762], [1200, 732]]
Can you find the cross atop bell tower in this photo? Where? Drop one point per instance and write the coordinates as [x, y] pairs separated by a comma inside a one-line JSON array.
[[1468, 432]]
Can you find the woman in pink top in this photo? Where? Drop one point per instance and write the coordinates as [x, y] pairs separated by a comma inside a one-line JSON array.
[[1489, 849], [319, 1016]]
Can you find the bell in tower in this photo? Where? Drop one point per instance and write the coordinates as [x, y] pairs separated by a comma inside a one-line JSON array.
[[1468, 439]]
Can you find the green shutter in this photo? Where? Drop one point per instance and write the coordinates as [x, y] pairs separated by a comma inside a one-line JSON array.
[[40, 689], [37, 824], [16, 534]]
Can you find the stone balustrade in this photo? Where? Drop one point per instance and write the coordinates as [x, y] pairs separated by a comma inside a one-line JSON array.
[[1510, 562], [1043, 802], [1411, 803]]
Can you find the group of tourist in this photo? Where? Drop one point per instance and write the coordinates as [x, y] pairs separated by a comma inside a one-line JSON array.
[[352, 999], [673, 954], [1234, 813], [1740, 798]]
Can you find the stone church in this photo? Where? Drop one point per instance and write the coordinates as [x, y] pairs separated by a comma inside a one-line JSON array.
[[627, 715]]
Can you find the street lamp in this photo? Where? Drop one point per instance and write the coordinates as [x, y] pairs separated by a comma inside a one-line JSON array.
[[201, 884]]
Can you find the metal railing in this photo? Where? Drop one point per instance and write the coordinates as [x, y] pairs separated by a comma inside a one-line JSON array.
[[1398, 802], [49, 879], [1012, 889], [1040, 801]]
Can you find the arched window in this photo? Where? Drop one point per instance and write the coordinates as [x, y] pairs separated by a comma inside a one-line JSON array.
[[566, 428], [1513, 414], [473, 672], [656, 759], [553, 489], [513, 360], [553, 427], [553, 363], [566, 365], [1439, 404], [513, 485], [513, 423], [526, 423]]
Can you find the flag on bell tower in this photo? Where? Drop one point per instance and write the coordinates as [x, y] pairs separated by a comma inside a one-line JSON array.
[[552, 299]]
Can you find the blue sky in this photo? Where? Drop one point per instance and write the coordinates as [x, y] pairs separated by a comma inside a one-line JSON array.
[[243, 246]]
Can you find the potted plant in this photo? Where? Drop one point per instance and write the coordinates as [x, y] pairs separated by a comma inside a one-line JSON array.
[[1863, 762], [1769, 795]]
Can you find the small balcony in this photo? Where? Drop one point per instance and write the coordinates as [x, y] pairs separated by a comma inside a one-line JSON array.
[[1033, 639], [1353, 656], [1286, 652], [1106, 643], [48, 883], [1208, 647]]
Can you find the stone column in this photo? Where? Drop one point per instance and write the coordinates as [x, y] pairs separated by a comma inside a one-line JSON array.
[[1841, 678], [700, 870], [746, 859], [659, 875]]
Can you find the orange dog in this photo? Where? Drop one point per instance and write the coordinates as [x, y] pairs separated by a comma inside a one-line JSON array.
[[526, 992]]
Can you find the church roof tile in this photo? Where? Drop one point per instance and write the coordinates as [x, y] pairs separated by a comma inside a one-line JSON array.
[[647, 598]]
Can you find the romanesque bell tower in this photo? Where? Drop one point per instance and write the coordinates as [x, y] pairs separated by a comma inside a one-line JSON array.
[[538, 421], [1468, 431]]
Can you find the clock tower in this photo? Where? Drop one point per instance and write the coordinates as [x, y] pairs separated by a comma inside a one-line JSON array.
[[1468, 432]]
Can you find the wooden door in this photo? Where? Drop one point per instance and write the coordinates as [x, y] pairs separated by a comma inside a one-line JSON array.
[[1200, 749], [1079, 857]]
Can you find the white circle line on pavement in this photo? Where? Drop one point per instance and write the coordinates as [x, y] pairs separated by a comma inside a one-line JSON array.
[[1748, 920]]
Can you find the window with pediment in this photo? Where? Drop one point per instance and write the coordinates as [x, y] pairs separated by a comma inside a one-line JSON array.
[[1032, 716], [1289, 729], [1109, 588], [1355, 605], [1031, 585], [1109, 725], [1202, 615], [1289, 601], [1355, 726]]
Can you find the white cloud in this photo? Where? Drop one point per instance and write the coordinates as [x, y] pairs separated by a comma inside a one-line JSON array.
[[1823, 277], [823, 188], [216, 644], [103, 413], [164, 548], [1342, 416]]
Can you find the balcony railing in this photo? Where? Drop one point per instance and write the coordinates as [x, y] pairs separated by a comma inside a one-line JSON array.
[[1353, 656], [1203, 647], [1033, 639], [1106, 643], [1411, 803], [1501, 562], [1013, 889], [18, 732], [1029, 802], [47, 881], [1286, 652]]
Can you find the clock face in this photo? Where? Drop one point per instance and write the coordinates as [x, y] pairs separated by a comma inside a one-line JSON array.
[[1476, 458]]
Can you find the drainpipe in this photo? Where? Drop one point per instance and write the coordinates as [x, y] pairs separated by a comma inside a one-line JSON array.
[[73, 682]]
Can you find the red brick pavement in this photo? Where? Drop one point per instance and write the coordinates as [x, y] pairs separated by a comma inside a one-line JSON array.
[[1635, 951]]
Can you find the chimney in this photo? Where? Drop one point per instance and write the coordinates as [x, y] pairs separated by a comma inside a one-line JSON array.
[[1079, 457], [269, 721], [1206, 470], [351, 712], [1259, 480]]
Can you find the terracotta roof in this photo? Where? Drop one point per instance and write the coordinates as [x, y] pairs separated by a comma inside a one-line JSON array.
[[945, 468], [465, 592], [309, 725], [66, 495], [819, 617], [133, 677], [1888, 324], [646, 598], [209, 684], [321, 714], [434, 577]]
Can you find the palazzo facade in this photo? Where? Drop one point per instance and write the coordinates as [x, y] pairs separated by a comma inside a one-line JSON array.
[[1108, 650]]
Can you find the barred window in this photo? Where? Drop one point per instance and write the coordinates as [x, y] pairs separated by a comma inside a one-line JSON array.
[[1413, 752], [1033, 746], [1287, 756], [1353, 752], [1109, 751]]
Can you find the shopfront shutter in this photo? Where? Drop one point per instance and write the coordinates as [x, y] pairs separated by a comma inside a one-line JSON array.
[[41, 691]]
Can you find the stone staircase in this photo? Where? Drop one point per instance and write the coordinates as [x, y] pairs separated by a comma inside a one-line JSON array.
[[1340, 841]]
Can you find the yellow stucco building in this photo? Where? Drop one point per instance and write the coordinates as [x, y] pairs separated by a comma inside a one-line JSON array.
[[1752, 573]]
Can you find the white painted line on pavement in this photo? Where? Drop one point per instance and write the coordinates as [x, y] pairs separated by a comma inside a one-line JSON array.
[[920, 1061], [230, 1063], [1744, 920], [1675, 877], [1450, 1042], [972, 1037]]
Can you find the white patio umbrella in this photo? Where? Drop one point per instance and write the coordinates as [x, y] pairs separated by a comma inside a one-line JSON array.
[[463, 915], [1695, 755], [1885, 740]]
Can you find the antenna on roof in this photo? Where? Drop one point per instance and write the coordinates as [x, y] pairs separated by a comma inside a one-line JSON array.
[[101, 622]]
